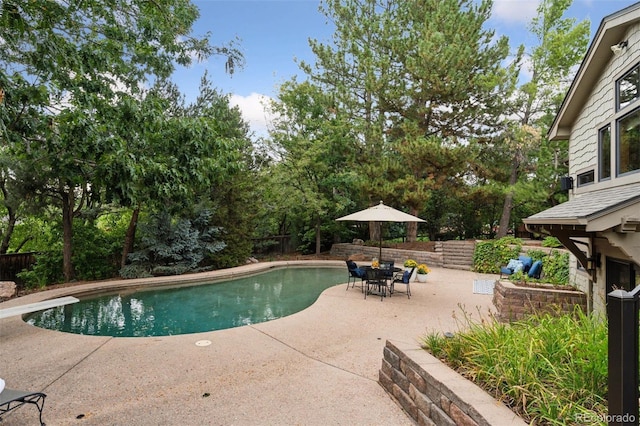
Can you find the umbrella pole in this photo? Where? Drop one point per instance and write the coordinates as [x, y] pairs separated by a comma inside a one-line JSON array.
[[380, 239]]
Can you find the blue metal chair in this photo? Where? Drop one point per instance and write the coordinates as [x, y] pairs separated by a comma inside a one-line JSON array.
[[402, 279], [376, 277], [355, 273]]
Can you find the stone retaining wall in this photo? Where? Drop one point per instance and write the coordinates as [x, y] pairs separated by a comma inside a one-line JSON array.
[[435, 258], [514, 302], [434, 394]]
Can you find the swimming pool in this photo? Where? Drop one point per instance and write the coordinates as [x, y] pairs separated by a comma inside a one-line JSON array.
[[198, 308]]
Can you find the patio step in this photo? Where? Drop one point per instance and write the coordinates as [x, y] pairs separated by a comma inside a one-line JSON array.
[[458, 254]]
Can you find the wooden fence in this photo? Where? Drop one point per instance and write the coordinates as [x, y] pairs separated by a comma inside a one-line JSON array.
[[12, 264]]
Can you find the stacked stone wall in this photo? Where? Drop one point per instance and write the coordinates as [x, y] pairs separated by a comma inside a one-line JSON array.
[[433, 394], [434, 258], [514, 302]]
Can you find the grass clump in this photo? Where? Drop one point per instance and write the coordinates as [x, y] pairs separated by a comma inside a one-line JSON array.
[[551, 370]]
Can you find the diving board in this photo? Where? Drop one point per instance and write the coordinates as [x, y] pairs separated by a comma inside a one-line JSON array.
[[38, 306]]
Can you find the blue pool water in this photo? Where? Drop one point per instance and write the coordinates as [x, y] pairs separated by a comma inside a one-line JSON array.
[[199, 308]]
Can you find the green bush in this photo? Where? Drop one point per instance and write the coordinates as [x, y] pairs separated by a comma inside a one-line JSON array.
[[556, 268], [489, 255], [46, 270], [548, 369], [173, 247], [551, 242], [96, 256]]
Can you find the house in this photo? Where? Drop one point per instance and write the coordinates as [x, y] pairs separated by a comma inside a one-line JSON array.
[[600, 117]]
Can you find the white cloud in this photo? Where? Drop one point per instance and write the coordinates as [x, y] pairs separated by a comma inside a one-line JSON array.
[[515, 11], [253, 108]]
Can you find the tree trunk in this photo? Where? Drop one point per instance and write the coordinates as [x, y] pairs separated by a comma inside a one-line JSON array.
[[412, 227], [130, 236], [67, 235], [503, 228], [318, 239], [6, 238]]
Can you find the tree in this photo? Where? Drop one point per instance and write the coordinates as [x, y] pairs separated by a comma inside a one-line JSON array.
[[448, 85], [65, 66], [421, 77], [354, 70], [562, 44], [311, 141]]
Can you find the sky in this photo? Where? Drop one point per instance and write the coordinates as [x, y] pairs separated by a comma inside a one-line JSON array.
[[273, 36]]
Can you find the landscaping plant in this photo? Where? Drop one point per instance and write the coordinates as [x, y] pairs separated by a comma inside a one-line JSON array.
[[550, 370], [489, 255]]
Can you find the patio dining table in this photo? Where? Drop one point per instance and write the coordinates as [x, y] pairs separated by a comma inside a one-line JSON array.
[[380, 275]]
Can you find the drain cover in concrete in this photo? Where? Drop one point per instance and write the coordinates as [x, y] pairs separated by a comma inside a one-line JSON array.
[[203, 342], [483, 286]]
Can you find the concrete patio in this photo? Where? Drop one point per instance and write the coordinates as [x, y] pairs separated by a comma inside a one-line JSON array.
[[316, 367]]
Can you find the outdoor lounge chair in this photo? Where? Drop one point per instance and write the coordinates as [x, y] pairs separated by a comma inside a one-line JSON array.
[[522, 263], [536, 269], [10, 399], [402, 278]]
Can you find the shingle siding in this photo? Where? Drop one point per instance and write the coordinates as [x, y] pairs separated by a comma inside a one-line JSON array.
[[599, 110]]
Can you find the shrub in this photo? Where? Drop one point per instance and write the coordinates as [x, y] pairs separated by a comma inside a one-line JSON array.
[[46, 270], [556, 268], [549, 370], [489, 255], [96, 255], [551, 242], [173, 247]]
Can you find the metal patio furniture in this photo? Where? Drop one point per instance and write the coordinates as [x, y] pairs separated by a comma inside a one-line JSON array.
[[10, 399]]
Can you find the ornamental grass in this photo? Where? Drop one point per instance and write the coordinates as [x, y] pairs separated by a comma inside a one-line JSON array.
[[550, 370]]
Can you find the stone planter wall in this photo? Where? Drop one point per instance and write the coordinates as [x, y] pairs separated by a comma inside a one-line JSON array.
[[514, 302], [434, 394]]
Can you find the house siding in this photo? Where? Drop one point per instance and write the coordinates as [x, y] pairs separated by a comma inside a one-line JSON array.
[[598, 111]]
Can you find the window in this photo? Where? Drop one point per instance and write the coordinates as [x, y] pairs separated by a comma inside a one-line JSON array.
[[585, 178], [620, 275], [628, 88], [628, 141], [604, 152]]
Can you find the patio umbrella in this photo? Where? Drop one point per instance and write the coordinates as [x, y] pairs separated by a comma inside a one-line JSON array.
[[380, 213]]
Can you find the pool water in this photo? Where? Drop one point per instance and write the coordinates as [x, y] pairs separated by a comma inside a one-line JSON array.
[[194, 309]]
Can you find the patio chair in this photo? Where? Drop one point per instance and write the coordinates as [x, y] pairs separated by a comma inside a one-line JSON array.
[[403, 278], [387, 267], [10, 399], [355, 273], [376, 278], [522, 263]]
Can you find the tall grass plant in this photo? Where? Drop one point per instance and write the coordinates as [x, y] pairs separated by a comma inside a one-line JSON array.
[[551, 370]]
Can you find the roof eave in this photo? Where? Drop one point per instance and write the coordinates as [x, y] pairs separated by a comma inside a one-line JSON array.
[[611, 31]]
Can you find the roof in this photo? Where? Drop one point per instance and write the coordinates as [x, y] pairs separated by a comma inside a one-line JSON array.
[[596, 210], [611, 31]]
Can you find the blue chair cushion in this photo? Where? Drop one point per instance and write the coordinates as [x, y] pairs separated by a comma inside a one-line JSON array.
[[506, 271], [406, 276], [515, 265], [526, 262], [536, 269], [359, 272]]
